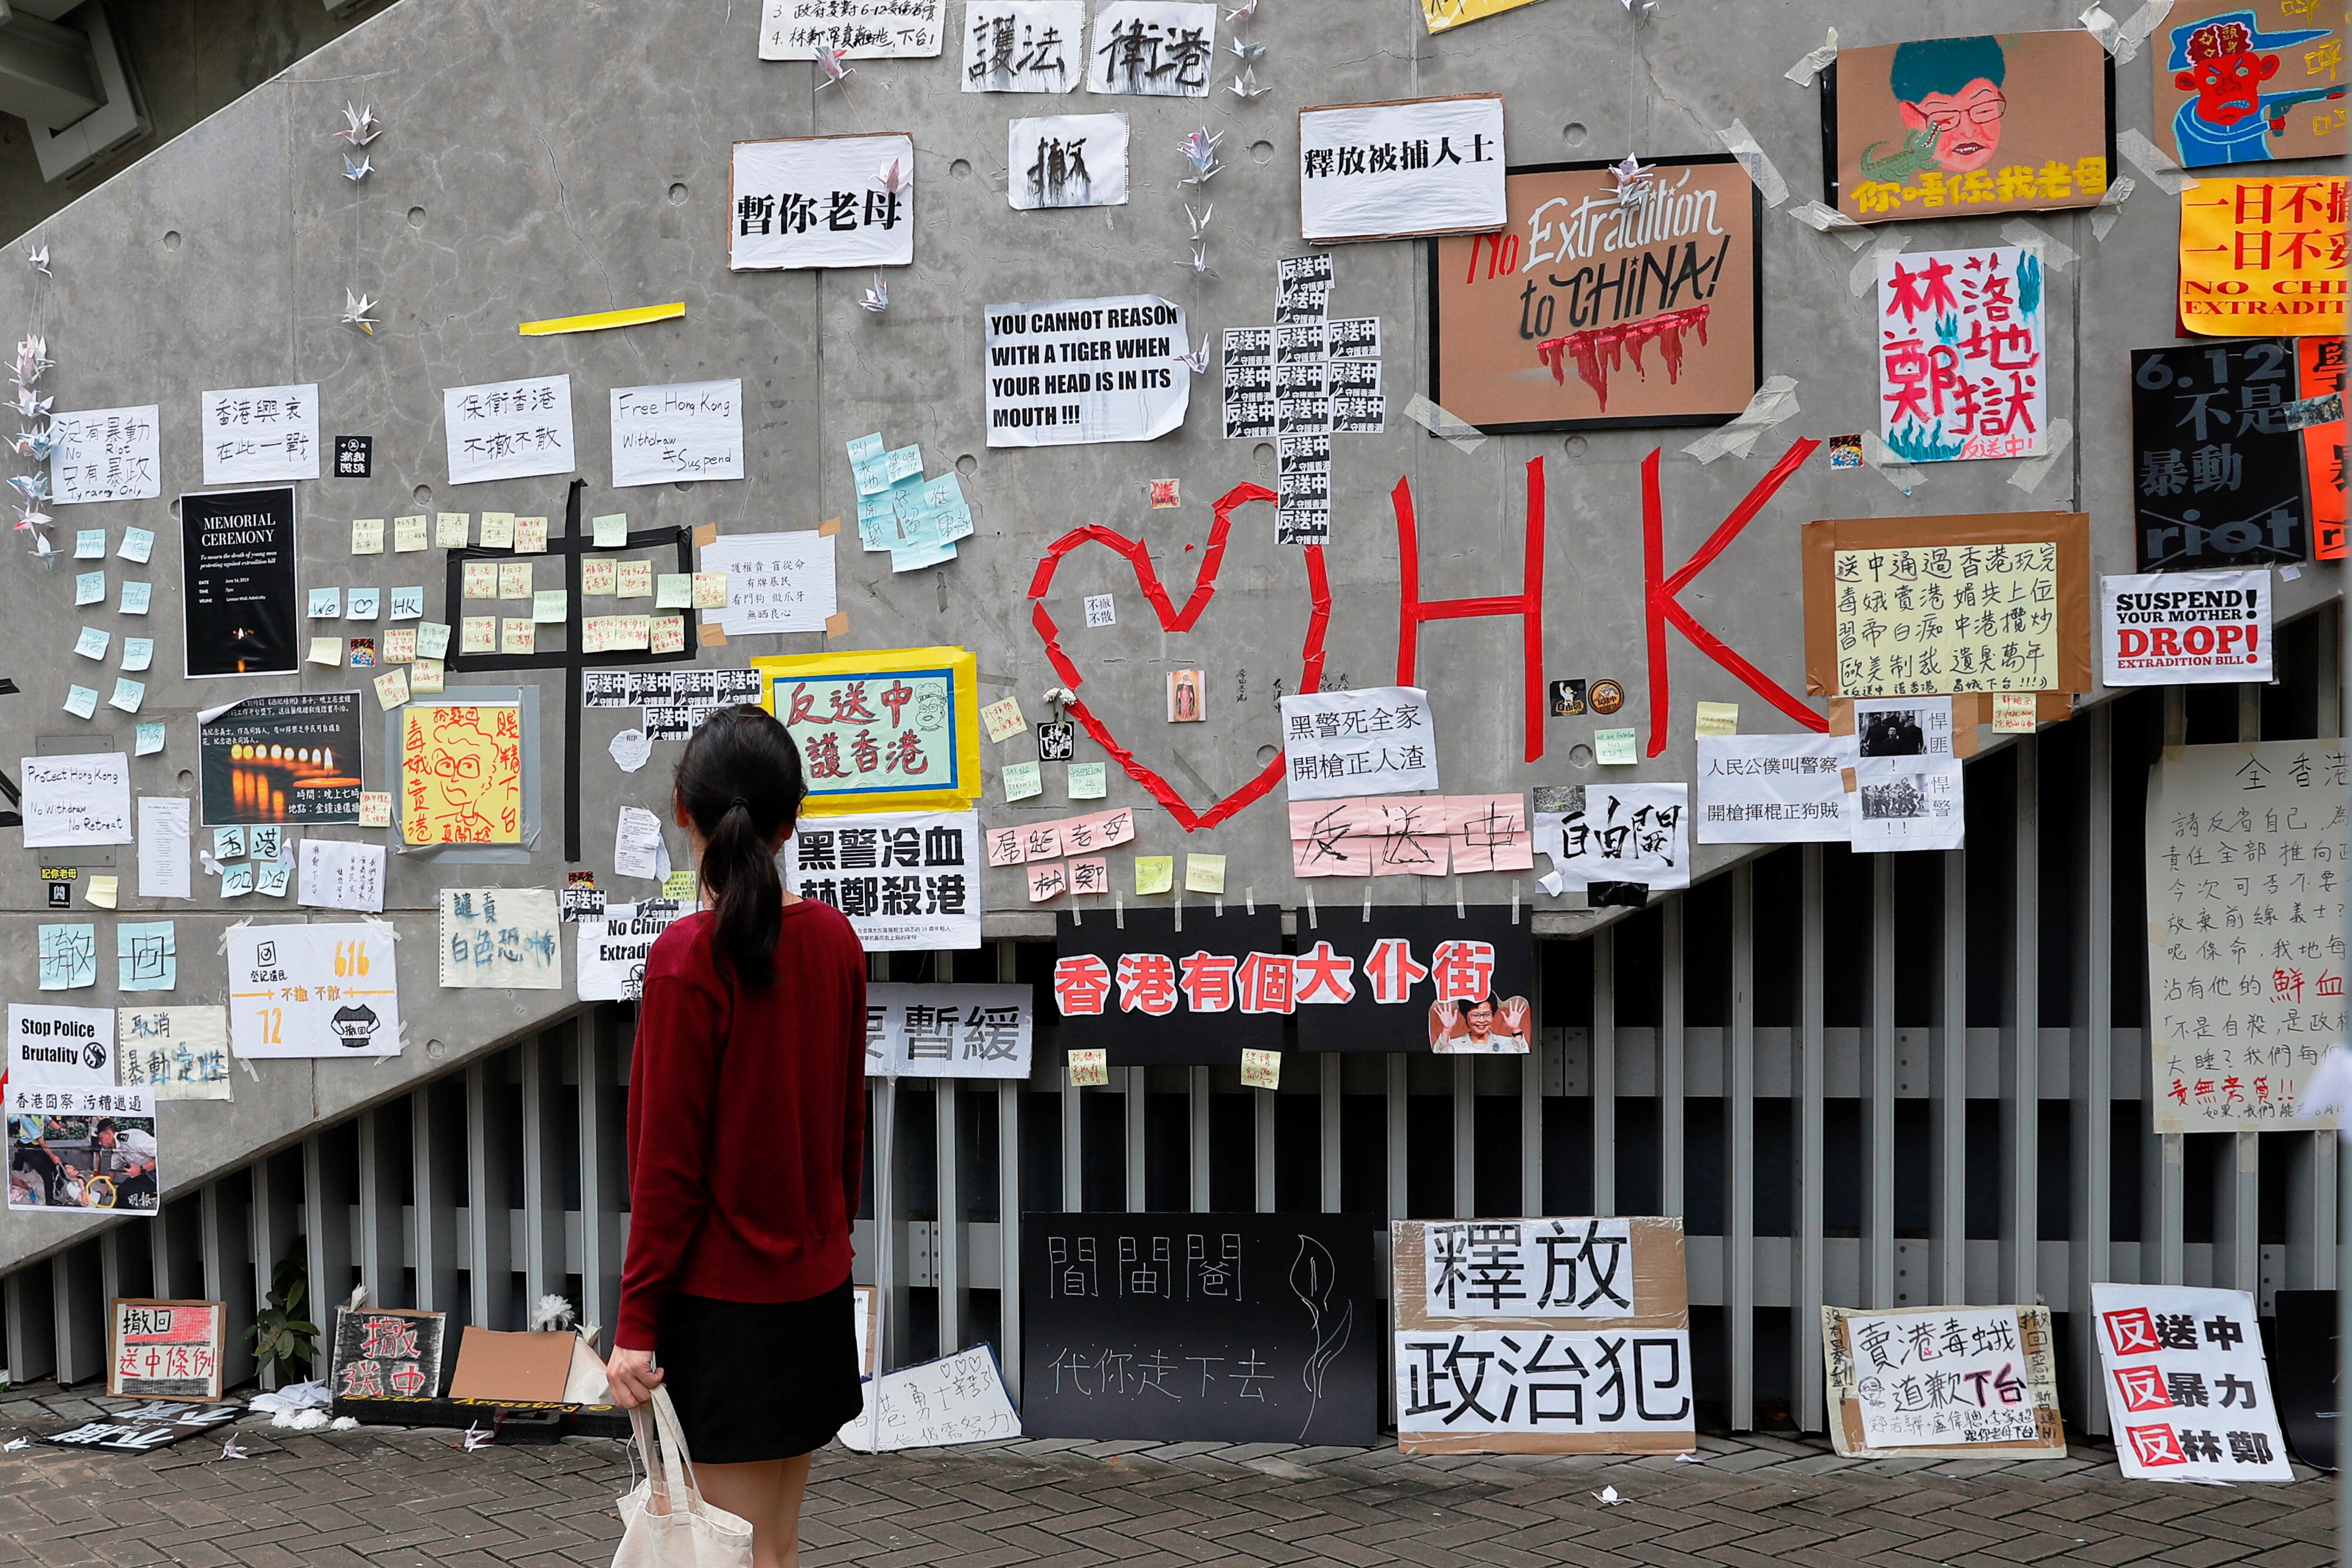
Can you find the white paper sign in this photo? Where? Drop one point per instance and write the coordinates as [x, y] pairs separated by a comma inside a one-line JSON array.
[[106, 455], [1623, 832], [314, 990], [665, 435], [80, 799], [1374, 740], [1907, 803], [2188, 1392], [1528, 1269], [500, 937], [1949, 1378], [609, 949], [1067, 160], [1066, 372], [775, 582], [860, 29], [958, 1398], [909, 881], [2183, 628], [261, 434], [1477, 1382], [163, 869], [336, 875], [60, 1045], [174, 1053], [80, 1148], [1772, 789], [947, 1031], [1153, 48], [1381, 171], [509, 430], [638, 847], [1024, 46], [821, 201]]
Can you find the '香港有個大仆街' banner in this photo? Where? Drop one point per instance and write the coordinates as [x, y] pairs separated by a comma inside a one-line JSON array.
[[1065, 372]]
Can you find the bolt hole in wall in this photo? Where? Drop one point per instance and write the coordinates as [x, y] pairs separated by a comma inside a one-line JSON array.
[[960, 168], [170, 239], [677, 193], [416, 214]]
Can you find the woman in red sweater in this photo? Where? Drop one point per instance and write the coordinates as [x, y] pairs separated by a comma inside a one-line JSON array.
[[746, 1118]]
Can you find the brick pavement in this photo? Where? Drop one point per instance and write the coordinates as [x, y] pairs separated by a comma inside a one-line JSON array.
[[384, 1498]]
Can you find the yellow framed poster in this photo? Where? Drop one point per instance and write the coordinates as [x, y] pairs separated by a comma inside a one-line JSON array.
[[893, 729]]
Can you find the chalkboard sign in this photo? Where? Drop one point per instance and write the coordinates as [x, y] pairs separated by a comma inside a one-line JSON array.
[[382, 1352], [2217, 473], [1229, 1328]]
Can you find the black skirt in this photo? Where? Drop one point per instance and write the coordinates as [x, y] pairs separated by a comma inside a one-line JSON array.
[[759, 1380]]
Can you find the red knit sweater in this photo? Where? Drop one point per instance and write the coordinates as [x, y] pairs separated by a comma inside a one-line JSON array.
[[747, 1114]]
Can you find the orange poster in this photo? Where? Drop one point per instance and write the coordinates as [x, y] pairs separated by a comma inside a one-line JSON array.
[[2259, 258], [2321, 372]]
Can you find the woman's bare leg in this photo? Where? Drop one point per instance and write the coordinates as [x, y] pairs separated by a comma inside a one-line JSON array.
[[755, 1494]]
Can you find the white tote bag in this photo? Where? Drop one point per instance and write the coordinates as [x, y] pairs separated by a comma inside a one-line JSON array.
[[664, 1524]]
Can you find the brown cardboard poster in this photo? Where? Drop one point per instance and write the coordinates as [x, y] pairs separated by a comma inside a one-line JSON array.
[[1877, 1363], [1586, 313], [2246, 82], [1943, 128]]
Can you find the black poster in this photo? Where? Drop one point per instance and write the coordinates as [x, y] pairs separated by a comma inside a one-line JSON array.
[[1153, 995], [143, 1428], [2217, 474], [1418, 978], [2303, 1374], [354, 457], [386, 1353], [1226, 1328], [236, 554], [290, 758]]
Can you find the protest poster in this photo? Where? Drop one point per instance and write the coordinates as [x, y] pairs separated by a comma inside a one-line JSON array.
[[909, 881], [891, 729], [1772, 789], [1229, 1328], [1441, 15], [60, 1045], [2188, 1391], [1410, 835], [2262, 257], [1417, 978], [143, 1428], [2319, 376], [1024, 46], [666, 435], [83, 797], [294, 757], [1618, 833], [946, 1030], [105, 454], [237, 574], [1368, 739], [856, 29], [1941, 1382], [77, 1147], [460, 773], [821, 201], [1150, 994], [1906, 606], [174, 1053], [501, 938], [2245, 845], [2218, 476], [958, 1398], [2185, 628], [1542, 1336], [2246, 82], [1153, 48], [1947, 127], [165, 1349], [382, 1352], [1064, 373], [314, 990], [509, 430], [1402, 168], [672, 702], [776, 583], [1963, 354], [1589, 310], [1908, 791], [1052, 164], [255, 434], [609, 949]]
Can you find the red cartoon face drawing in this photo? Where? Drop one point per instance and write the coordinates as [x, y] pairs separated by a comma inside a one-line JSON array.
[[1966, 123], [2225, 73]]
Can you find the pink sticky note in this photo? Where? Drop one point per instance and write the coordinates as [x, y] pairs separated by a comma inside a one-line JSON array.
[[1116, 827], [1323, 817], [1090, 876], [1490, 834], [1411, 838], [1041, 842], [1079, 837], [1048, 881], [1341, 854], [1005, 847]]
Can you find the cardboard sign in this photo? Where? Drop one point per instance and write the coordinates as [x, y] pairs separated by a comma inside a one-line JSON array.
[[2182, 628], [2246, 81], [143, 1428], [384, 1351], [1938, 1382], [498, 1366], [165, 1349], [895, 729]]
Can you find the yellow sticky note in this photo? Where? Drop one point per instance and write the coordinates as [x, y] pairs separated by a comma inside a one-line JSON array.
[[668, 633], [2013, 713], [375, 808], [1089, 1069], [480, 579], [497, 530], [1204, 873], [679, 885], [612, 531], [461, 774], [104, 890], [597, 577], [478, 635], [399, 646], [367, 536], [1718, 718], [327, 651], [449, 529], [514, 580], [1154, 874], [424, 678], [549, 605], [530, 535], [710, 591], [517, 635], [392, 688], [634, 578], [1261, 1069], [409, 533], [674, 590], [1001, 718]]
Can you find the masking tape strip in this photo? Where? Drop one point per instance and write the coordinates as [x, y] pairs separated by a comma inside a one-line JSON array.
[[1775, 400], [2034, 470], [1439, 423], [1830, 221], [2123, 39], [1812, 65], [602, 321], [2111, 206], [2153, 162], [2054, 251], [1903, 475], [1737, 142], [1864, 277]]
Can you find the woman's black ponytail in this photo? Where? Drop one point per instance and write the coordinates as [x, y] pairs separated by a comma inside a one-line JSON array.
[[739, 782]]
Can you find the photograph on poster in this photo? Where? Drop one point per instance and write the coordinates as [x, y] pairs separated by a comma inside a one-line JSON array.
[[291, 759], [83, 1148]]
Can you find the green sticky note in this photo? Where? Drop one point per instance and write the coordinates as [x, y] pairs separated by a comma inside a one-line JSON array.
[[81, 701], [1154, 874], [1022, 780], [1090, 781], [432, 639], [612, 531], [1614, 746], [549, 604], [674, 590], [90, 588]]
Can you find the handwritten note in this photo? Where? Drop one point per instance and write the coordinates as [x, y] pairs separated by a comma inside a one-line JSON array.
[[461, 774], [263, 434], [500, 937], [83, 800], [105, 454], [337, 874], [665, 435], [509, 430], [775, 582]]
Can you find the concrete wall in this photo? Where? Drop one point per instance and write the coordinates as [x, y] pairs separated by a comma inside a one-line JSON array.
[[543, 158]]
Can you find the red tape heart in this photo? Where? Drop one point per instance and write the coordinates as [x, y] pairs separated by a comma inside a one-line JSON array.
[[1204, 587]]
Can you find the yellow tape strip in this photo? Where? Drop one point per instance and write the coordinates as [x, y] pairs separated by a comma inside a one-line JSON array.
[[603, 319]]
